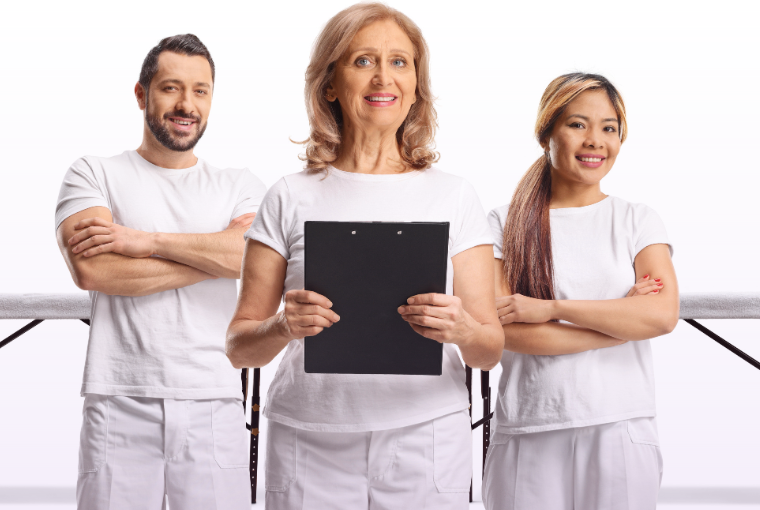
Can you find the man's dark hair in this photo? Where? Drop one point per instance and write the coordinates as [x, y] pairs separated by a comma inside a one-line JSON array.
[[185, 44]]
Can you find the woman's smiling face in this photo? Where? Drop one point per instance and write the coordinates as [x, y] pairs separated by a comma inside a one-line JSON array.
[[585, 139], [375, 81]]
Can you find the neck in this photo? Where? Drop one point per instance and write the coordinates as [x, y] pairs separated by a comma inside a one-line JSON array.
[[374, 152], [152, 151], [574, 194]]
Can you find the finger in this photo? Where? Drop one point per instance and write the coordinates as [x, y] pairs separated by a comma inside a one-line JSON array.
[[306, 321], [428, 322], [88, 232], [310, 331], [430, 299], [502, 301], [89, 222], [308, 297], [101, 248], [433, 311], [432, 334], [504, 311], [306, 310], [92, 241], [649, 289], [507, 319]]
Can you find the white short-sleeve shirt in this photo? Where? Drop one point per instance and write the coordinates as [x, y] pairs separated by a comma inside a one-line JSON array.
[[359, 403], [169, 344], [593, 250]]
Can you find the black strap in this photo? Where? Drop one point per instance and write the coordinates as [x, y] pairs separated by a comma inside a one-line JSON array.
[[743, 355]]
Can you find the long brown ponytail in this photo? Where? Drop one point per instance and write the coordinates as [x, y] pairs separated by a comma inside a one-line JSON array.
[[527, 244]]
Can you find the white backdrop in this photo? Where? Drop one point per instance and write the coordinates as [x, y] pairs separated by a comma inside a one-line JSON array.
[[688, 71]]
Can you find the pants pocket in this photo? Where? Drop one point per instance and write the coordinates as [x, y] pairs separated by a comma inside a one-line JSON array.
[[282, 445], [93, 437], [643, 434], [452, 452], [228, 428]]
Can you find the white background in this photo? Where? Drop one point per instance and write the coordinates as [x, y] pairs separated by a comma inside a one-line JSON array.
[[688, 71]]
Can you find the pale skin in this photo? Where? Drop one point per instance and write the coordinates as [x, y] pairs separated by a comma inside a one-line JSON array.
[[110, 258], [589, 126], [378, 63]]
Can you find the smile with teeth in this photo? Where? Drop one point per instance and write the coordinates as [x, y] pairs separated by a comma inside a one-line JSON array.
[[380, 98], [182, 122], [590, 160]]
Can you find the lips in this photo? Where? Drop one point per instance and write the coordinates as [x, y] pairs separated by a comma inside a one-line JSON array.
[[380, 99], [590, 160], [181, 122]]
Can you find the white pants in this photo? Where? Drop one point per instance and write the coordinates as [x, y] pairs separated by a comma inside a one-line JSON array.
[[427, 465], [134, 450], [614, 466]]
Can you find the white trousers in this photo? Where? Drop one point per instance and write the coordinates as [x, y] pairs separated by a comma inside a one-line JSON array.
[[614, 466], [134, 450], [427, 465]]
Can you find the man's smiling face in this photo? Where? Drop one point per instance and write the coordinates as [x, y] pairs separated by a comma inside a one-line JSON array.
[[179, 100]]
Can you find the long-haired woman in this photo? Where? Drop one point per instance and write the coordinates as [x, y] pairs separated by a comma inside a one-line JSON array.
[[343, 441], [584, 280]]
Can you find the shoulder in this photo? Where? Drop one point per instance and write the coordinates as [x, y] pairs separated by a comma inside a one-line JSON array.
[[637, 211], [498, 215], [101, 163]]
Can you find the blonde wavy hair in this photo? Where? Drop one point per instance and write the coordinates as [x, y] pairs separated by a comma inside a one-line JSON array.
[[415, 136]]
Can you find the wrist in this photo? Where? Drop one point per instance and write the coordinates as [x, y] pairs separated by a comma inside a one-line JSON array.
[[281, 329], [556, 309], [156, 243]]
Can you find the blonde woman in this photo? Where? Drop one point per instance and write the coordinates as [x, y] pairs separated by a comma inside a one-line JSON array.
[[367, 441], [575, 420]]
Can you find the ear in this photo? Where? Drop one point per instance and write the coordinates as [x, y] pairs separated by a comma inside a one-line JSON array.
[[140, 96], [330, 93]]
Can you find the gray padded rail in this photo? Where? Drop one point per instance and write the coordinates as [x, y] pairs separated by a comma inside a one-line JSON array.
[[77, 306]]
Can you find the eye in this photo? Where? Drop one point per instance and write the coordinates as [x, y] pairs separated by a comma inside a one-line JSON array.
[[170, 88], [610, 129], [576, 125], [363, 62], [201, 92], [399, 62]]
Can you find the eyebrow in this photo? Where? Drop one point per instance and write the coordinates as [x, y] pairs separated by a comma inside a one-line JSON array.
[[587, 119], [376, 50], [180, 82]]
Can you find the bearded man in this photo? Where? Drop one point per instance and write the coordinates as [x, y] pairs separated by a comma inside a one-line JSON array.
[[156, 236]]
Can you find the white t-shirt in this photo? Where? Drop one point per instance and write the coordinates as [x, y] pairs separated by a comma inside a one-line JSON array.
[[349, 402], [593, 250], [169, 344]]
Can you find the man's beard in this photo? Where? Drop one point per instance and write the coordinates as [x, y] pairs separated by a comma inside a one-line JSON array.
[[165, 137]]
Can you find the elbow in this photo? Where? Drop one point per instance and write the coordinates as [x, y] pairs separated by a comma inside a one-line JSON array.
[[233, 353], [83, 276]]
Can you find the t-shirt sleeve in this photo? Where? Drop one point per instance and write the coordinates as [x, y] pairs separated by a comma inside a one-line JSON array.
[[471, 228], [497, 218], [649, 229], [251, 193], [272, 225], [80, 190]]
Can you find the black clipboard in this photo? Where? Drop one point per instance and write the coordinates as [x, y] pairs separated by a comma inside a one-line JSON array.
[[368, 270]]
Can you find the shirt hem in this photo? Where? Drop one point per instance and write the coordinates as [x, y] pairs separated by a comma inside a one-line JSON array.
[[269, 242], [161, 392], [364, 427], [530, 429]]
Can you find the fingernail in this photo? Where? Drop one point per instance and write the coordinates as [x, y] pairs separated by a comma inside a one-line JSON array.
[[655, 291], [659, 285], [410, 300], [400, 309], [657, 279], [329, 304], [646, 276], [337, 318]]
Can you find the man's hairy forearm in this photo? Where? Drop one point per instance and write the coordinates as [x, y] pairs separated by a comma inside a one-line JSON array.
[[116, 274], [552, 338], [219, 254]]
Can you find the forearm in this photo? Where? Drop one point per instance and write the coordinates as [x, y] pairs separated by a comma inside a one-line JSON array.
[[483, 349], [552, 338], [219, 254], [634, 318], [252, 343], [115, 274]]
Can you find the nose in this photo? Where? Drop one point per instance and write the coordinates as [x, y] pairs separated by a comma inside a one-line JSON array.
[[382, 75], [185, 102], [593, 141]]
